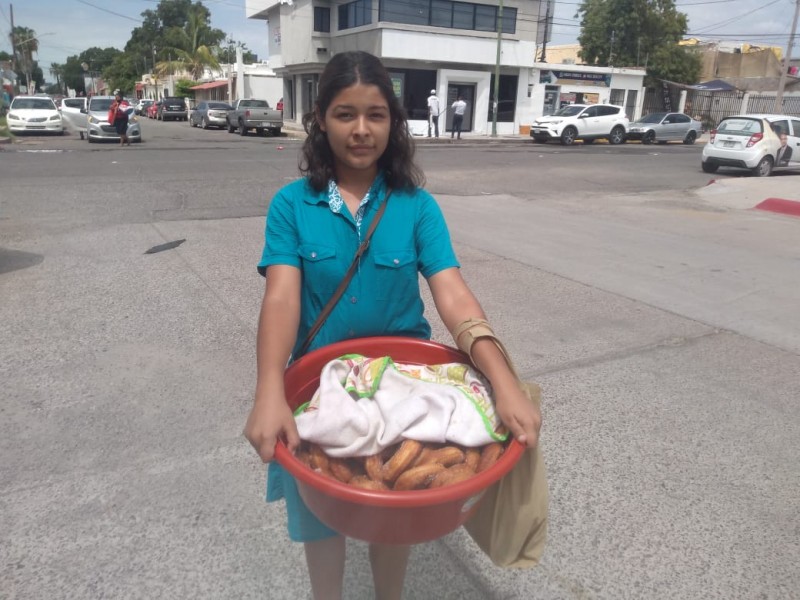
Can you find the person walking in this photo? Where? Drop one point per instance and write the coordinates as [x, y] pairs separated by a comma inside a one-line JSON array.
[[118, 117], [434, 109], [358, 162], [459, 106]]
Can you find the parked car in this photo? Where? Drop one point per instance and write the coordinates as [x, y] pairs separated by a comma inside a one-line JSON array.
[[152, 110], [28, 114], [141, 107], [784, 125], [99, 128], [73, 113], [663, 127], [742, 142], [586, 122], [208, 114], [251, 113], [173, 109]]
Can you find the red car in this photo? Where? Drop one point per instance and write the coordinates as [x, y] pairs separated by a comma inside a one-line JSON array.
[[152, 110]]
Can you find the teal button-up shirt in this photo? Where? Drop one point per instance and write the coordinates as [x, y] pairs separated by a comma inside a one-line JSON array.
[[303, 230]]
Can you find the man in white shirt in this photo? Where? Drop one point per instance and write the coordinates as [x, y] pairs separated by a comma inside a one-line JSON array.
[[434, 108], [459, 106]]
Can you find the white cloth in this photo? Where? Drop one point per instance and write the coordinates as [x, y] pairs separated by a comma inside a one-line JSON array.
[[459, 106], [364, 405], [433, 105]]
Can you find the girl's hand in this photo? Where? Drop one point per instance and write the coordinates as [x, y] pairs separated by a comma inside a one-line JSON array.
[[519, 414], [269, 420]]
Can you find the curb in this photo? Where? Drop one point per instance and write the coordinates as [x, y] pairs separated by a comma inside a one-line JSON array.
[[780, 205]]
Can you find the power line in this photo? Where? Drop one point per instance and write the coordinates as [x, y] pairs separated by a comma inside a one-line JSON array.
[[109, 11]]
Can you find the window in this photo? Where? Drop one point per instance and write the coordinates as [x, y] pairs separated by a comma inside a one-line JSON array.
[[617, 97], [355, 14], [74, 102], [592, 111], [680, 119], [507, 98], [781, 126], [446, 13], [607, 111], [322, 19], [796, 127]]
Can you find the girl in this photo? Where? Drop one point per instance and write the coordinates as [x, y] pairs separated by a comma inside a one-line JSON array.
[[358, 154]]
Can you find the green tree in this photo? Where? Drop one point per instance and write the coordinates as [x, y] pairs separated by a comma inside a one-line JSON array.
[[57, 71], [193, 47], [26, 45], [227, 54], [627, 33], [122, 73]]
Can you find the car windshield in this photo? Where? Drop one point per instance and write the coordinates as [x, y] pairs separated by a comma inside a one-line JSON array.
[[740, 126], [219, 105], [569, 111], [654, 118], [100, 104], [33, 104], [254, 104]]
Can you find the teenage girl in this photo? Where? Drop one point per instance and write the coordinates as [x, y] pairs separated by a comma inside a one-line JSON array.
[[357, 150]]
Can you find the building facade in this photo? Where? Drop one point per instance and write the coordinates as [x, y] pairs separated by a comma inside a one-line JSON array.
[[441, 45]]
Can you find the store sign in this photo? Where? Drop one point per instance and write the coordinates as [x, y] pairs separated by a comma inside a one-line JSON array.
[[574, 78], [398, 83]]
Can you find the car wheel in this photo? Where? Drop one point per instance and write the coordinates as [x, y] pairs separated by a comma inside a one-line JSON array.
[[588, 141], [764, 168], [568, 136], [204, 123], [709, 167], [242, 129], [690, 138], [649, 137], [617, 136], [231, 128]]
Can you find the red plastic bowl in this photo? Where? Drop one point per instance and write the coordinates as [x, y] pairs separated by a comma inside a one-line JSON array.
[[377, 516]]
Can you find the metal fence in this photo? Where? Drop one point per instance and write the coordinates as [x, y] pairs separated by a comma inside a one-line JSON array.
[[711, 107]]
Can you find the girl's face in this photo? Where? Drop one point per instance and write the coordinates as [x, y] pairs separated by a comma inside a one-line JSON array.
[[358, 123]]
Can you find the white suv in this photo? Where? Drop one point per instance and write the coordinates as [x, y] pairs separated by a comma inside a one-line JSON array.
[[586, 122]]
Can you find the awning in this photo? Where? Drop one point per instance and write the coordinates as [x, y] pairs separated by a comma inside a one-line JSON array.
[[715, 85], [211, 85]]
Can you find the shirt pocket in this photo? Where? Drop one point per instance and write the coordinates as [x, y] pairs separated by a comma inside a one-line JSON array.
[[321, 270], [396, 273]]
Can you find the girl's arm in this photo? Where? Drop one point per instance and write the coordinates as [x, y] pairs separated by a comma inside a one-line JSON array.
[[270, 417], [455, 304]]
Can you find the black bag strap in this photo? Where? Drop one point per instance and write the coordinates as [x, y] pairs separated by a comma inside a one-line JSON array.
[[337, 295]]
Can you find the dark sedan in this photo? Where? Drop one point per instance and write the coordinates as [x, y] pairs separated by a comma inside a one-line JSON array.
[[210, 114]]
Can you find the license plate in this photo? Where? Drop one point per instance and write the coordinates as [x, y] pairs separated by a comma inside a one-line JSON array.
[[729, 144]]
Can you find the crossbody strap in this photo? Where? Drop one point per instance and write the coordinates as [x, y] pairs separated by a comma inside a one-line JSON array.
[[345, 281]]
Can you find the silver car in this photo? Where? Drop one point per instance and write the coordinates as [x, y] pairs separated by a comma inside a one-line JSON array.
[[210, 114], [98, 128], [663, 127]]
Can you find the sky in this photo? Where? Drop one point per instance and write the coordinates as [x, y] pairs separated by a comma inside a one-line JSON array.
[[67, 27]]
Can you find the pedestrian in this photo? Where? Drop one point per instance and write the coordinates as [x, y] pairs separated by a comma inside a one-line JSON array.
[[784, 154], [434, 108], [357, 157], [118, 117], [459, 106]]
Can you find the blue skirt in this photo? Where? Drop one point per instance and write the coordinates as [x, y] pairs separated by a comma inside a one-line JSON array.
[[303, 525]]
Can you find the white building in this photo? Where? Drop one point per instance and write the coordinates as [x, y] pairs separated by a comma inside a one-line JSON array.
[[444, 45]]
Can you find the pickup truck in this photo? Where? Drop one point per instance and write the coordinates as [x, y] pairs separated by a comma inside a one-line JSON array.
[[249, 113]]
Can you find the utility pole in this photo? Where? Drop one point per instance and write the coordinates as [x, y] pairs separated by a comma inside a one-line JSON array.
[[13, 44], [785, 62], [543, 57], [497, 68], [611, 50]]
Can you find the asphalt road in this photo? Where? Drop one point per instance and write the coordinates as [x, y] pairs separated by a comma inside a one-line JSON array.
[[660, 322]]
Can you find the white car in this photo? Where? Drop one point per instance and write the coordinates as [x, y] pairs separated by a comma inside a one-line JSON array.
[[73, 112], [586, 122], [743, 142], [34, 114]]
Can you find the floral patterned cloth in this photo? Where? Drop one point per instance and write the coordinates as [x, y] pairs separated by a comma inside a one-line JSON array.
[[364, 405]]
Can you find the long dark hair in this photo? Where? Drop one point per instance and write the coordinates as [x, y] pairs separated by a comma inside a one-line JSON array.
[[344, 70]]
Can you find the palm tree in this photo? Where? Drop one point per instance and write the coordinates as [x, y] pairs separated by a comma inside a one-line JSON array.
[[190, 50], [26, 46], [57, 71]]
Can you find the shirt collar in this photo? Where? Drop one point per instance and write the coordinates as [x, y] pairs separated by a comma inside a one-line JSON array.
[[330, 195]]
